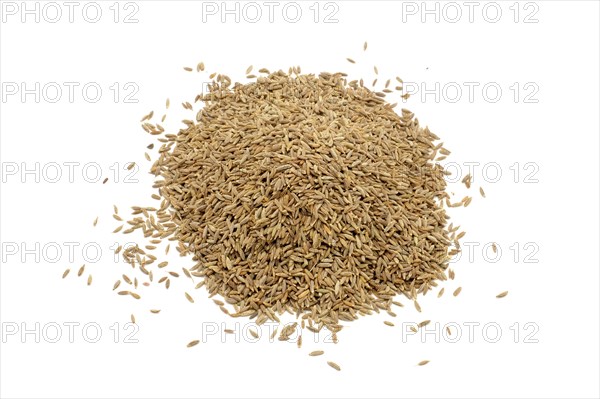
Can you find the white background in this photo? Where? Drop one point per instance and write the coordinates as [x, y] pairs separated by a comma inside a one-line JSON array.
[[549, 209]]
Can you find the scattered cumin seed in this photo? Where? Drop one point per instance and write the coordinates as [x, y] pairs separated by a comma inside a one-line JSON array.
[[189, 297], [193, 343], [334, 365], [65, 273], [457, 291], [351, 60], [417, 306], [502, 294], [316, 353], [423, 362]]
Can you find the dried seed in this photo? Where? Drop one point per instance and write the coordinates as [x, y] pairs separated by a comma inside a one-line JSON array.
[[334, 365], [417, 306], [193, 343], [189, 297], [457, 291], [423, 362], [66, 272], [502, 294], [316, 353]]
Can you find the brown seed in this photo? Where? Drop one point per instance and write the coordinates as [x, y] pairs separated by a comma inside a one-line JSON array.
[[494, 248], [365, 46], [132, 318], [316, 353], [457, 291], [441, 293], [89, 280], [193, 343], [388, 323], [117, 284], [423, 362], [131, 165], [81, 270], [95, 221], [105, 180], [351, 60], [189, 297], [502, 294], [155, 311], [417, 306], [188, 69], [482, 192], [334, 365], [66, 272]]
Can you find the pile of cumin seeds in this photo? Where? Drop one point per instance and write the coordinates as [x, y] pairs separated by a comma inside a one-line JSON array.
[[302, 193]]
